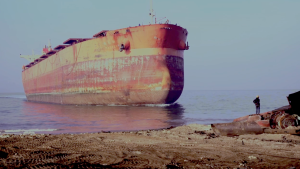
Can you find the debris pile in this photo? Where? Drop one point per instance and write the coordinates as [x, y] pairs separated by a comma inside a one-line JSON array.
[[284, 120]]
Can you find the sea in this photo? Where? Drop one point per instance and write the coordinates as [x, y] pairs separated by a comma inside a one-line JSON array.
[[19, 116]]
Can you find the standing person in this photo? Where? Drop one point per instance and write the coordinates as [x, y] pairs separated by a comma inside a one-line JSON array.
[[256, 101]]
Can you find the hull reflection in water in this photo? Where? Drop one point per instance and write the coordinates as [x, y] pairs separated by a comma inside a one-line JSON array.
[[79, 119]]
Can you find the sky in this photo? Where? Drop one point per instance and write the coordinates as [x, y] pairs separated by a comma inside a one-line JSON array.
[[234, 44]]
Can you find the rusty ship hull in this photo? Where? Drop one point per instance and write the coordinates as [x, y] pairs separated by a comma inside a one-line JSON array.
[[135, 65]]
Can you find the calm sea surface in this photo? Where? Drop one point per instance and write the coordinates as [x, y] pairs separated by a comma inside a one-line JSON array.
[[17, 115]]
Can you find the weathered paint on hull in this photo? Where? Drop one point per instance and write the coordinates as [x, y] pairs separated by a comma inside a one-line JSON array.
[[85, 73], [147, 83], [112, 98]]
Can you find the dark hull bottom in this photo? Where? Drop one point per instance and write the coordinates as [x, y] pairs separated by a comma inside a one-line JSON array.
[[110, 98]]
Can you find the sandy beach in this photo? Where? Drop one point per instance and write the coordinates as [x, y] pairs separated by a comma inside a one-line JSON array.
[[191, 146]]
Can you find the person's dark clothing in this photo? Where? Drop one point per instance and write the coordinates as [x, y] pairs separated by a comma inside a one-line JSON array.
[[257, 104], [257, 109]]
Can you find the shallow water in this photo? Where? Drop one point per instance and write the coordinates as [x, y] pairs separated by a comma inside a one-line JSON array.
[[203, 107]]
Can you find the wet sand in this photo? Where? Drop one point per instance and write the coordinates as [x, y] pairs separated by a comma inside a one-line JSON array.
[[191, 146]]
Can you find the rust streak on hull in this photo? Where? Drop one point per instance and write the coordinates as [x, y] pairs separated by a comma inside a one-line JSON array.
[[141, 66]]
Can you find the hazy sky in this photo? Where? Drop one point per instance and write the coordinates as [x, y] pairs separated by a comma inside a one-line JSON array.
[[234, 44]]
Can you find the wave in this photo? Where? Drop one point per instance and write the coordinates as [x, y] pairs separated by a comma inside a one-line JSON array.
[[17, 96], [26, 131]]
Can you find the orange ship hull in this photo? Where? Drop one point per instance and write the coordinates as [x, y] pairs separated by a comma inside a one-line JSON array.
[[135, 65]]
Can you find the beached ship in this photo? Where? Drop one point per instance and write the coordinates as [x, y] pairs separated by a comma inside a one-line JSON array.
[[133, 65]]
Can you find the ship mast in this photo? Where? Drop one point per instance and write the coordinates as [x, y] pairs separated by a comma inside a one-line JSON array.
[[49, 45], [151, 12]]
